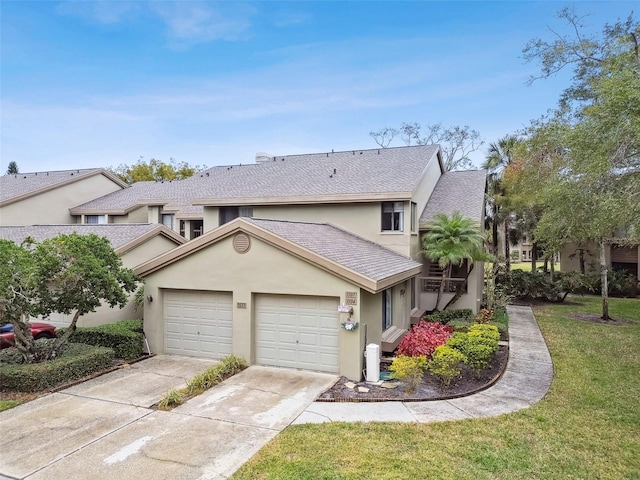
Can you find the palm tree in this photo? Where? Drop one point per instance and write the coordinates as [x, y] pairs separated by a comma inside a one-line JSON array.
[[499, 156], [451, 241]]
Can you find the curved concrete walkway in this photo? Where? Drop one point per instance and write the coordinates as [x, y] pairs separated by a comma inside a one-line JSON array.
[[525, 381]]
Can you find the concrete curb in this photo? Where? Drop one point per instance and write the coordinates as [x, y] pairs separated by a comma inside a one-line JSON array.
[[525, 381]]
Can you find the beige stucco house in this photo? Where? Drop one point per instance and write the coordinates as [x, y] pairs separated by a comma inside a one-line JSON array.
[[283, 253], [135, 243], [46, 197], [295, 246], [618, 257]]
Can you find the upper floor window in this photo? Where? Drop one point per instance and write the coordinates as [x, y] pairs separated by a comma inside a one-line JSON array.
[[167, 220], [393, 216], [95, 219], [229, 213]]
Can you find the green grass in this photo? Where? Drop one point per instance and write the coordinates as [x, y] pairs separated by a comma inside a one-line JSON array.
[[7, 404], [526, 266], [587, 427]]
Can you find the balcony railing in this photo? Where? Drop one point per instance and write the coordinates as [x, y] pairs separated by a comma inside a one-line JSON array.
[[432, 284]]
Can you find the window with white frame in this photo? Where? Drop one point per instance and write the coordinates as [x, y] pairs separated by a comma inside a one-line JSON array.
[[167, 220], [95, 219], [392, 216]]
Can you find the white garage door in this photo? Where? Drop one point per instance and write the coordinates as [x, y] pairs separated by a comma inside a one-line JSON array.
[[297, 332], [198, 324]]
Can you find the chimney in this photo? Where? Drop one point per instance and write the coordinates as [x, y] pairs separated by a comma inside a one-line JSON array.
[[262, 157]]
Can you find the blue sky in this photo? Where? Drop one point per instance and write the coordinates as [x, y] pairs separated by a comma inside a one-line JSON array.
[[100, 83]]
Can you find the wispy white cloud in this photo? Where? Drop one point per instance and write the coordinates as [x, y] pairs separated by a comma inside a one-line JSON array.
[[187, 22], [101, 11], [201, 22], [286, 19]]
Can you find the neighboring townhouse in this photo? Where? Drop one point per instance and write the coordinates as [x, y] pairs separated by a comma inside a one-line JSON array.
[[165, 202], [296, 246], [46, 197], [135, 243], [619, 257]]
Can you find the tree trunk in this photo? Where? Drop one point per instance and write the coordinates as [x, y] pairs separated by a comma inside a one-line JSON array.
[[23, 339], [552, 268], [581, 258], [604, 280], [534, 256], [545, 265], [494, 234], [65, 336], [507, 247], [440, 290], [459, 288]]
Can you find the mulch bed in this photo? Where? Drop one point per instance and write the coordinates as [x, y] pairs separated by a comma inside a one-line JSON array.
[[431, 387]]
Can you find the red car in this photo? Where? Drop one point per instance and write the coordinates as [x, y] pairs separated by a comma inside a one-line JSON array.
[[38, 330]]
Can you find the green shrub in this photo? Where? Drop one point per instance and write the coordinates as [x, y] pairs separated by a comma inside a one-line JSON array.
[[172, 399], [447, 316], [445, 363], [225, 368], [489, 333], [42, 347], [124, 337], [77, 361], [478, 345], [409, 370]]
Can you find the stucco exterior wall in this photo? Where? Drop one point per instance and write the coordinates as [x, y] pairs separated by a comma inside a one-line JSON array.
[[571, 263], [362, 219], [263, 269], [139, 215], [52, 207], [592, 259]]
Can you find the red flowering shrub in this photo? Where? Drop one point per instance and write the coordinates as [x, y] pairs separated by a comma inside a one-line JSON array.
[[424, 338]]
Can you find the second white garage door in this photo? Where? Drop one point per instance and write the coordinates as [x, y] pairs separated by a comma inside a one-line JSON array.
[[297, 332], [198, 323]]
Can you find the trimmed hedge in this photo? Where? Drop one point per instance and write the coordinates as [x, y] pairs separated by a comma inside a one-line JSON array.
[[124, 337], [446, 316], [76, 361]]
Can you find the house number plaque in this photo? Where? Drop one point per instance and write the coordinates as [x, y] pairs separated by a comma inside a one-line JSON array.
[[241, 304], [350, 298]]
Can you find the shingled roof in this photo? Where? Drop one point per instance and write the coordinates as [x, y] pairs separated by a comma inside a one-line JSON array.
[[16, 186], [364, 175], [120, 235], [350, 251], [356, 175], [367, 264], [457, 192]]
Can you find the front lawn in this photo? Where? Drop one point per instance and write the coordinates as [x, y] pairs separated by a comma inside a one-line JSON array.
[[586, 427]]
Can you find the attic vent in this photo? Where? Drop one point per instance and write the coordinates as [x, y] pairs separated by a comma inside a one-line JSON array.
[[241, 243], [262, 157]]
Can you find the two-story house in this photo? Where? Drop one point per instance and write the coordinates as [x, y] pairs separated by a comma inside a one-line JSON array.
[[296, 246], [287, 254]]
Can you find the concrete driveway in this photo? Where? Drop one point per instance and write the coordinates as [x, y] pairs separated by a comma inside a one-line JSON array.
[[104, 428]]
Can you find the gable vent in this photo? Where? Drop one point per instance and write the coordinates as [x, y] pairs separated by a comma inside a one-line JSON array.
[[241, 243]]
